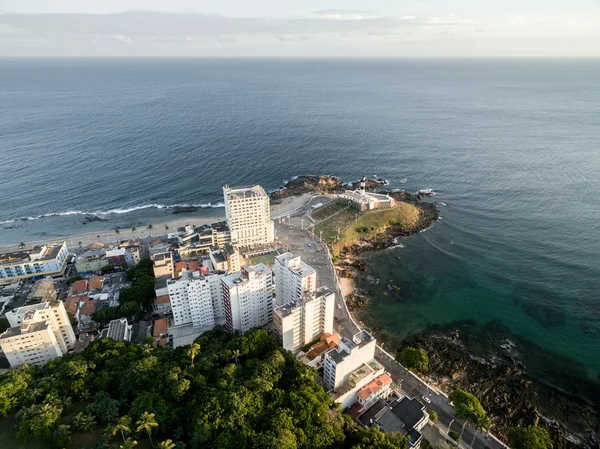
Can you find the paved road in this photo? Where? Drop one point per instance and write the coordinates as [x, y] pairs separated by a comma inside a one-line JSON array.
[[302, 243]]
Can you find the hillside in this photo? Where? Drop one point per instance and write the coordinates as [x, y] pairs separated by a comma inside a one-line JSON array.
[[231, 391]]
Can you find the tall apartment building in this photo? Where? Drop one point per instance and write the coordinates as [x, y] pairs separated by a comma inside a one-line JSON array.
[[38, 333], [196, 298], [248, 298], [292, 278], [41, 261], [349, 356], [248, 216], [300, 322], [227, 258]]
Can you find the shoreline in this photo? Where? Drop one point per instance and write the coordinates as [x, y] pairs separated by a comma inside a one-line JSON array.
[[282, 206], [519, 402]]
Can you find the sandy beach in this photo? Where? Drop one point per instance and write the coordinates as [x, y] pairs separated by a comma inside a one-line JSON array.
[[347, 286], [110, 236]]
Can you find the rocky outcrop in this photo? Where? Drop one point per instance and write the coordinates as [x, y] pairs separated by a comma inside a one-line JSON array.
[[183, 209], [371, 183], [308, 184]]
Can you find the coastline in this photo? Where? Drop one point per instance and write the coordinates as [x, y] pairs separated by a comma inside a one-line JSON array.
[[106, 229], [510, 394]]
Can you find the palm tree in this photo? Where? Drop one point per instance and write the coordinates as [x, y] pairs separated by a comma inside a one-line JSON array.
[[123, 425], [117, 232], [147, 422], [98, 237], [166, 228], [483, 424], [150, 230], [128, 444], [193, 351], [80, 244], [167, 444], [147, 350], [84, 421], [133, 229], [235, 354], [21, 245]]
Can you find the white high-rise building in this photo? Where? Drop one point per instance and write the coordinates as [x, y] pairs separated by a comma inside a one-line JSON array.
[[38, 333], [248, 216], [349, 356], [196, 298], [248, 298], [292, 278], [48, 260], [300, 322]]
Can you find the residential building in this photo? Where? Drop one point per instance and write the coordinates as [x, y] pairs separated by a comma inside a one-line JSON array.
[[196, 298], [248, 298], [292, 278], [405, 415], [199, 240], [123, 255], [227, 258], [299, 322], [248, 216], [378, 388], [162, 305], [79, 287], [134, 250], [351, 354], [38, 333], [41, 261], [163, 264], [314, 356], [119, 330], [91, 261], [95, 283], [43, 291], [159, 332]]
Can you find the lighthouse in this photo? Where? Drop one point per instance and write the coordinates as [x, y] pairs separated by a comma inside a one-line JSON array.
[[363, 184]]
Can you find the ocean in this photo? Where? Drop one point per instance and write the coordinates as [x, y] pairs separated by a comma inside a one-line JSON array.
[[512, 148]]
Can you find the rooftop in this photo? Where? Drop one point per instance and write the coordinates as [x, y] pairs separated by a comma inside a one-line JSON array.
[[235, 193], [79, 286], [161, 326], [41, 287], [96, 282], [117, 329], [162, 299], [24, 329], [374, 386], [355, 377], [295, 263], [37, 253]]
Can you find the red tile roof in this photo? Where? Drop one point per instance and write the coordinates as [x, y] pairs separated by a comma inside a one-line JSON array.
[[374, 386], [96, 282], [72, 304], [89, 306], [79, 286], [165, 299], [160, 326]]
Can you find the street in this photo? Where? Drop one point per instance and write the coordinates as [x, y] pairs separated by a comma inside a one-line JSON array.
[[302, 243]]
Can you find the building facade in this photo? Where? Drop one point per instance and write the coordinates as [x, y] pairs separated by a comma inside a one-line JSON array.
[[350, 355], [293, 277], [248, 216], [43, 291], [248, 298], [47, 260], [38, 333], [300, 322]]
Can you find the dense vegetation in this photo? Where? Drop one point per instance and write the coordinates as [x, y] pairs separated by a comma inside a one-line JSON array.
[[531, 437], [132, 300], [224, 391], [413, 359]]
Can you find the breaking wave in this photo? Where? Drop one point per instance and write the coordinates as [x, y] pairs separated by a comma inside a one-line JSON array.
[[114, 211]]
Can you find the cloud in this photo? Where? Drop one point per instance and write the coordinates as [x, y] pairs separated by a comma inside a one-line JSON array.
[[123, 38]]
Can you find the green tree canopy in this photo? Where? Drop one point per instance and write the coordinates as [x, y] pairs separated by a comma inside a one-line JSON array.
[[413, 359], [467, 406], [531, 437]]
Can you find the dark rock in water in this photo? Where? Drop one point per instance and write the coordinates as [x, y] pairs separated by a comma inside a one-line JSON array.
[[308, 184], [184, 210], [370, 184], [92, 218]]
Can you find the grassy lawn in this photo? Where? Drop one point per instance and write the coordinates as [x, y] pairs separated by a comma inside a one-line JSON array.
[[267, 259], [330, 228], [369, 222], [327, 210]]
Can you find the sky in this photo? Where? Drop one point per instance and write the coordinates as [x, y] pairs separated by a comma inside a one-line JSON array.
[[308, 28]]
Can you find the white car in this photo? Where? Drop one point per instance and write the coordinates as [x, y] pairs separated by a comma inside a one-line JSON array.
[[340, 306], [426, 399]]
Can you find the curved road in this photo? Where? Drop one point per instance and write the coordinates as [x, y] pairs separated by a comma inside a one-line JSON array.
[[302, 243]]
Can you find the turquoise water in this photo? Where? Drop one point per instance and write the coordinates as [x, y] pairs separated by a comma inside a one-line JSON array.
[[511, 146]]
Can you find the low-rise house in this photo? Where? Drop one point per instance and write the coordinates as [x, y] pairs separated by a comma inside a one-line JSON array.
[[79, 287], [159, 332], [378, 388], [43, 291], [162, 305], [314, 356], [119, 330], [91, 261], [405, 415], [96, 283]]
